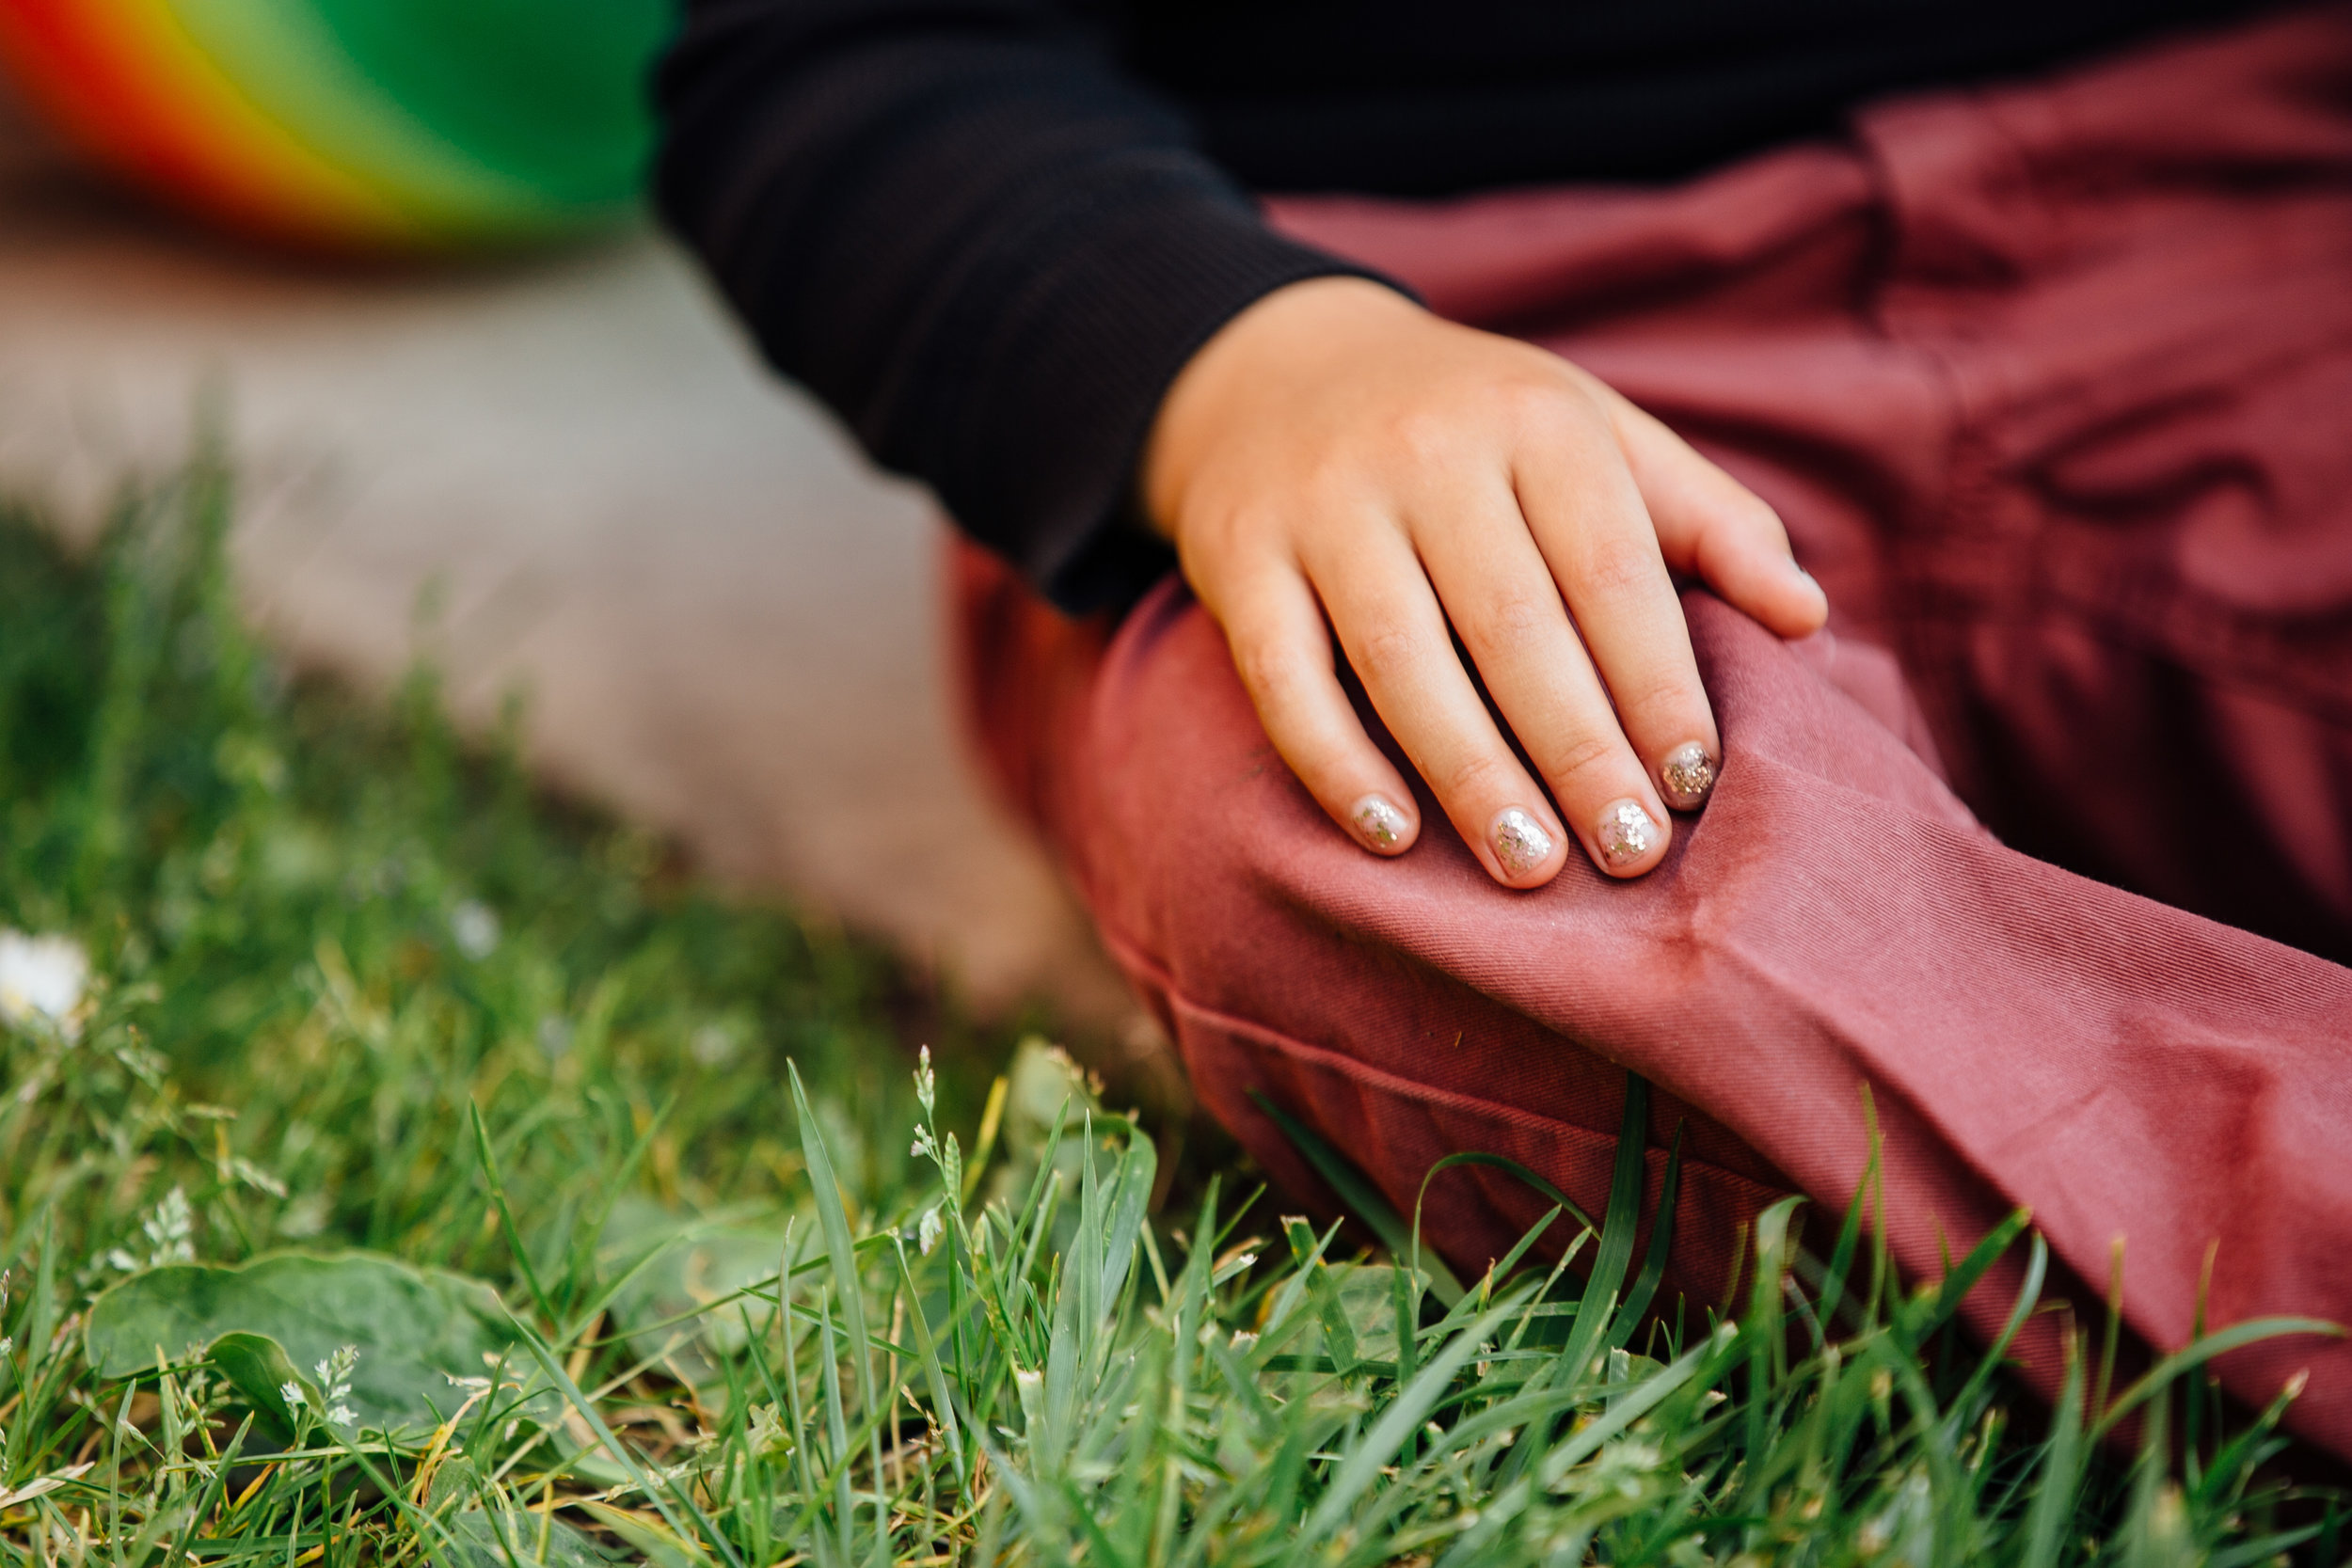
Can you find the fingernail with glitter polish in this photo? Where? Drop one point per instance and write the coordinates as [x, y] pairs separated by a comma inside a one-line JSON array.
[[1521, 842], [1687, 776], [1626, 833], [1378, 823]]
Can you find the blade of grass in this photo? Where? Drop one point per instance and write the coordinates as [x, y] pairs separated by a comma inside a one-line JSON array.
[[2162, 1374], [1388, 1437], [1362, 1199], [848, 1291], [506, 1215], [1645, 1285], [933, 1374]]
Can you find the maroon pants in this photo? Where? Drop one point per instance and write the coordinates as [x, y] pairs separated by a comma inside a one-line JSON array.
[[2048, 842]]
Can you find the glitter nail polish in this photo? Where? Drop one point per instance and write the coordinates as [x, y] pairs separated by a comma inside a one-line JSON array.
[[1521, 842], [1626, 833], [1377, 822], [1687, 776]]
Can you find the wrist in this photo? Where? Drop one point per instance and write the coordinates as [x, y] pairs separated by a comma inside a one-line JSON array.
[[1282, 336]]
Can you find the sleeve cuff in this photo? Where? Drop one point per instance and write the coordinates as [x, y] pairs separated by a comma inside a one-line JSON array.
[[1040, 462]]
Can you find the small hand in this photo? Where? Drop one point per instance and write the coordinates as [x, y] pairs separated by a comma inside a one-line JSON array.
[[1338, 461]]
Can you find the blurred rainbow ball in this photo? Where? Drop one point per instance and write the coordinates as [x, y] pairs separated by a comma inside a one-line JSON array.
[[356, 125]]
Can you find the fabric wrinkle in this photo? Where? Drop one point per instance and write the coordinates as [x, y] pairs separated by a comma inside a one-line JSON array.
[[2034, 376]]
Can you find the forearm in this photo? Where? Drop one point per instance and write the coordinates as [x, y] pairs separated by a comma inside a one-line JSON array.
[[990, 253]]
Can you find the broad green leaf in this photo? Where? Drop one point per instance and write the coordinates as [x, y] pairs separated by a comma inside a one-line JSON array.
[[274, 1319], [258, 1367], [687, 1303]]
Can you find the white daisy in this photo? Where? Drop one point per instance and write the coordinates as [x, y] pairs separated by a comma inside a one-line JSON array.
[[42, 977]]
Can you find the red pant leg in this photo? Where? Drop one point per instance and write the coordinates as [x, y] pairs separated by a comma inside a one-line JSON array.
[[1832, 920], [2053, 385], [1947, 416]]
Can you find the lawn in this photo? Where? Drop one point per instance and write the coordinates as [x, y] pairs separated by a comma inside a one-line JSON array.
[[398, 1166]]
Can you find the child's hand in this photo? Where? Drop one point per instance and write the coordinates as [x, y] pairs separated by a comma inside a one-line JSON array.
[[1338, 456]]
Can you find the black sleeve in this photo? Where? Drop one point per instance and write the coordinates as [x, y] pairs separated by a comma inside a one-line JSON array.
[[956, 223]]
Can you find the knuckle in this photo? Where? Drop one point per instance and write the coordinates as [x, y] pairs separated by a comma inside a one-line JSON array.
[[1211, 539], [1269, 671], [1325, 480], [1758, 513], [1574, 758], [1514, 625], [1426, 435], [1254, 526], [1659, 694], [1744, 524], [1529, 403], [1745, 521], [1616, 567], [1476, 775], [1386, 649]]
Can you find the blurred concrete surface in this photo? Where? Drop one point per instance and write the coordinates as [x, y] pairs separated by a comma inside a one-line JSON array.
[[725, 623]]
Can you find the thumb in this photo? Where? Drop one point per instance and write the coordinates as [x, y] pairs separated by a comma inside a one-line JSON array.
[[1716, 527]]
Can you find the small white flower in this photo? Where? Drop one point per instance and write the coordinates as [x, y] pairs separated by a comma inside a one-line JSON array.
[[334, 1375], [335, 1371], [474, 925], [291, 1394], [42, 977], [304, 1217], [170, 1232], [925, 1084], [714, 1045], [928, 1232]]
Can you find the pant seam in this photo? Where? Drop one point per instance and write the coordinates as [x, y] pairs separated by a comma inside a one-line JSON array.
[[1381, 1082]]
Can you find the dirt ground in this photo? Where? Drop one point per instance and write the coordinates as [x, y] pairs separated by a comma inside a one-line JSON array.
[[724, 620]]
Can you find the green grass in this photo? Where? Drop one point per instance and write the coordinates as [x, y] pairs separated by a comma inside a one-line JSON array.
[[655, 1242]]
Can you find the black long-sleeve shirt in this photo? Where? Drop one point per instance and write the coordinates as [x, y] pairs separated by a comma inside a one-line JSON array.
[[989, 233]]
